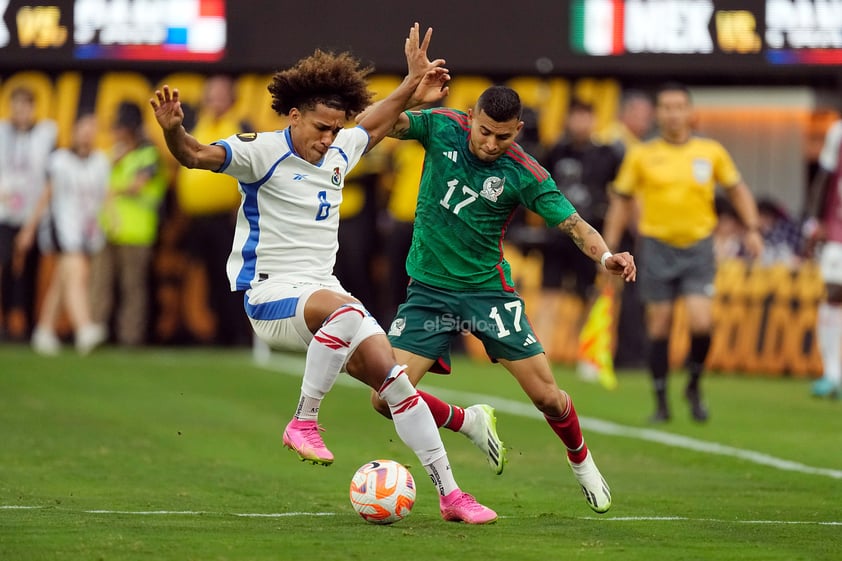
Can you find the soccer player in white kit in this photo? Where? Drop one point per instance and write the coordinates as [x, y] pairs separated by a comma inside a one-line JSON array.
[[285, 243]]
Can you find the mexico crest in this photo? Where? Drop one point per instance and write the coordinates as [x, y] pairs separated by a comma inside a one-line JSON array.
[[492, 187]]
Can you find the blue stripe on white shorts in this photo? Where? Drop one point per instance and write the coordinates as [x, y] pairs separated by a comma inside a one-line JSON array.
[[278, 309]]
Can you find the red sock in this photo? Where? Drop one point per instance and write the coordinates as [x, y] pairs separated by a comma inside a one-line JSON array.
[[446, 415], [568, 430]]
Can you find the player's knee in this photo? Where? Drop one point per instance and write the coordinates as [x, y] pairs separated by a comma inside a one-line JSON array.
[[345, 321], [380, 404], [360, 324], [552, 401]]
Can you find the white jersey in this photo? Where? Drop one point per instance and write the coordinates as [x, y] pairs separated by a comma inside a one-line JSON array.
[[23, 165], [79, 186], [288, 221]]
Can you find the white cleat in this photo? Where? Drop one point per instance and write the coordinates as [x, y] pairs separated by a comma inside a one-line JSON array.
[[481, 427], [594, 487], [45, 342], [90, 337]]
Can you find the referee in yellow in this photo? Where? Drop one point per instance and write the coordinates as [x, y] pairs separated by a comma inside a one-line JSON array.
[[669, 184]]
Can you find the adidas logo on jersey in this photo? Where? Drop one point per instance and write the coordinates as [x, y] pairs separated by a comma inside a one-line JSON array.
[[451, 155], [529, 340]]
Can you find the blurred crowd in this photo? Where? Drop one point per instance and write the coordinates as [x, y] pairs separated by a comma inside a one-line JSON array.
[[123, 246]]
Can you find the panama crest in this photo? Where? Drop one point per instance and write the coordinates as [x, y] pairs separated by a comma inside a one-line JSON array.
[[337, 177]]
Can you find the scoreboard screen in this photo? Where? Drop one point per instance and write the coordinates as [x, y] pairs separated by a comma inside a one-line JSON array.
[[752, 39]]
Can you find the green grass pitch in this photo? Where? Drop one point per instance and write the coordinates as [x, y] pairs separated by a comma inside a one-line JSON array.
[[176, 454]]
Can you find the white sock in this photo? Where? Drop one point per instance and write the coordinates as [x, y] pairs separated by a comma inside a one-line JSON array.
[[442, 476], [415, 426], [829, 335], [468, 421], [308, 408]]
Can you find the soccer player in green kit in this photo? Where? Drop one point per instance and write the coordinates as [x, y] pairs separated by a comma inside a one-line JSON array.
[[474, 178]]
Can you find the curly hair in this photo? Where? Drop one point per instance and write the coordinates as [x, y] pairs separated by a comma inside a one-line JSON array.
[[334, 80]]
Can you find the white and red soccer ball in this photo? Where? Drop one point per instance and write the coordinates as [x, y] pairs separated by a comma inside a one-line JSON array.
[[382, 492]]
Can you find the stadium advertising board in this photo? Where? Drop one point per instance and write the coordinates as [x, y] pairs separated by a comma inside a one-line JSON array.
[[736, 38]]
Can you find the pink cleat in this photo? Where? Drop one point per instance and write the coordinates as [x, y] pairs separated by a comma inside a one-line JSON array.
[[303, 438], [462, 507]]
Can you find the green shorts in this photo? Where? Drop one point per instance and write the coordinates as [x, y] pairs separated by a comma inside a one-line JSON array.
[[429, 319]]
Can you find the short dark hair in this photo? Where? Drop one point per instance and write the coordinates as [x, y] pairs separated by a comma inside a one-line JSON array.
[[673, 86], [579, 104], [337, 81], [632, 94], [501, 103], [129, 116]]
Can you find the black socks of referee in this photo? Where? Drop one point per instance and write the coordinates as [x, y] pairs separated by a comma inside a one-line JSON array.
[[659, 368], [699, 347]]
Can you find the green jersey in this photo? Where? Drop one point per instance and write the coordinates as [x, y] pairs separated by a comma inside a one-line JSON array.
[[465, 205]]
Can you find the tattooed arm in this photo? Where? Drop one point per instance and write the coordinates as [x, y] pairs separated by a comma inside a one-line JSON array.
[[590, 242]]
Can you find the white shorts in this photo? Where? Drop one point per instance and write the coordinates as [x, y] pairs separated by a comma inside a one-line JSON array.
[[276, 312], [830, 263]]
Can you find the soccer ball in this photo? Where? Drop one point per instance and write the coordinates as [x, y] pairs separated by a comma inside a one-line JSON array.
[[382, 492]]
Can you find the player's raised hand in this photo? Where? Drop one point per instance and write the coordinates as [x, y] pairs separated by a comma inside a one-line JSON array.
[[432, 89], [417, 59], [167, 106]]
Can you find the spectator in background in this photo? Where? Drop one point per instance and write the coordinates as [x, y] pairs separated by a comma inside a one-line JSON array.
[[674, 178], [782, 243], [209, 203], [635, 123], [729, 232], [25, 147], [76, 187], [824, 231], [129, 218], [582, 170]]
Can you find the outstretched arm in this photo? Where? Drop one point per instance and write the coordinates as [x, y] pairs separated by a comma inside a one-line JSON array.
[[380, 118], [591, 244], [432, 89], [186, 149]]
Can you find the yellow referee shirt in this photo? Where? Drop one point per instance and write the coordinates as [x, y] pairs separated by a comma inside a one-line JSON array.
[[675, 185]]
